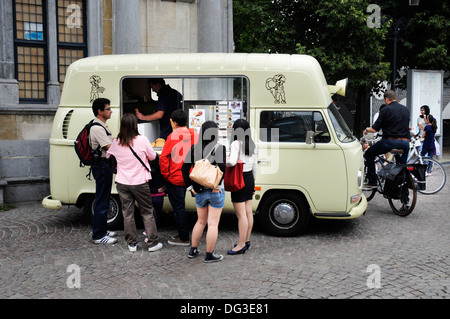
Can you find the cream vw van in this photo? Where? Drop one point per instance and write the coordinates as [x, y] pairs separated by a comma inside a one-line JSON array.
[[310, 165]]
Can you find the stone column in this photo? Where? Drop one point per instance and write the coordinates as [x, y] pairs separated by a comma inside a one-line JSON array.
[[215, 25], [126, 32], [9, 87], [94, 27], [53, 87]]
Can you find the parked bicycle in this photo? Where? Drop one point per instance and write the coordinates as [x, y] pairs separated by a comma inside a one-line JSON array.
[[435, 174], [397, 183]]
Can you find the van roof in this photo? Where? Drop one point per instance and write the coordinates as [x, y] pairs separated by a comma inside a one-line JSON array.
[[299, 76]]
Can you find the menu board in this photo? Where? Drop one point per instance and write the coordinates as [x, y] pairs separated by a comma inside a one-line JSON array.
[[224, 113]]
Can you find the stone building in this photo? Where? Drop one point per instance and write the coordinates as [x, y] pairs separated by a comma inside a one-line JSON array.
[[39, 39]]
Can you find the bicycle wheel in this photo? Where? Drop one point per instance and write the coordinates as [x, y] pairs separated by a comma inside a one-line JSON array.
[[369, 193], [407, 201], [435, 177]]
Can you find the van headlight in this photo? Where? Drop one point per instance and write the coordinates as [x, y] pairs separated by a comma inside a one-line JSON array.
[[359, 179], [355, 199]]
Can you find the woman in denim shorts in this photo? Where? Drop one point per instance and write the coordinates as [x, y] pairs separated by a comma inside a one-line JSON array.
[[209, 202]]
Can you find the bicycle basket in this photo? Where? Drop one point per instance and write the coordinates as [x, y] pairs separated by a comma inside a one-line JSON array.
[[390, 171], [419, 172], [396, 177]]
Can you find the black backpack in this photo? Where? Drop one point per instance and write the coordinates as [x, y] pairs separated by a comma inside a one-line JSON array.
[[83, 149]]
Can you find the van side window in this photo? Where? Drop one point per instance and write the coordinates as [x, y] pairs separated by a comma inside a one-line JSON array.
[[288, 126]]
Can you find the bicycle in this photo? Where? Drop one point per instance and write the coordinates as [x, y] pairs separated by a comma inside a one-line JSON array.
[[435, 177], [396, 183]]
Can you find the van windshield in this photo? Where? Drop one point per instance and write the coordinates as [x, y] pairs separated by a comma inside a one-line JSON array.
[[344, 134]]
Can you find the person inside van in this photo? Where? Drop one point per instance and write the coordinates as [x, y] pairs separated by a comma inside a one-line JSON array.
[[169, 100], [102, 172], [394, 121]]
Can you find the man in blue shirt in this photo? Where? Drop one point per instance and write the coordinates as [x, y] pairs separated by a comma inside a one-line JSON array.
[[394, 121], [169, 100]]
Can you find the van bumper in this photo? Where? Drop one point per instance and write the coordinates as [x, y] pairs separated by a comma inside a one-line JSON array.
[[355, 212], [50, 203]]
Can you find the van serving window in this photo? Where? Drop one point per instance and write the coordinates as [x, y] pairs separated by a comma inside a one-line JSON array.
[[220, 99], [288, 126]]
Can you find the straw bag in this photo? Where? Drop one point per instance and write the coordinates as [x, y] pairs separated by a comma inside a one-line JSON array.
[[206, 174]]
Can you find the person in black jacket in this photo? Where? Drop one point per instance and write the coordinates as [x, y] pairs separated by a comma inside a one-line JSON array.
[[394, 121], [209, 202]]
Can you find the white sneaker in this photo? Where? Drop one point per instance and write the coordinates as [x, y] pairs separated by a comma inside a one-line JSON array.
[[105, 240], [132, 247], [111, 233], [158, 246]]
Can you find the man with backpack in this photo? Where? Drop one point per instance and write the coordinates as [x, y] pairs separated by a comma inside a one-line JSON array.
[[101, 139]]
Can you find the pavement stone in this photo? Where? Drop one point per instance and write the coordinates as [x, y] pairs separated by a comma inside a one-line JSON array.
[[329, 261]]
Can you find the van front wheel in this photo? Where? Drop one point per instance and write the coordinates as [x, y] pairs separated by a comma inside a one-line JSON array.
[[114, 215], [284, 214]]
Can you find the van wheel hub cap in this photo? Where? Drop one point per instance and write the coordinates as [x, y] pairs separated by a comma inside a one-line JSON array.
[[284, 213]]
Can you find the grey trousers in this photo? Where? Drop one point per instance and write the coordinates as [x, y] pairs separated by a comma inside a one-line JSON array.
[[141, 194]]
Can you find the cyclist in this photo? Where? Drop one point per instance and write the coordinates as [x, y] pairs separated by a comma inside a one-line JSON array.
[[394, 121]]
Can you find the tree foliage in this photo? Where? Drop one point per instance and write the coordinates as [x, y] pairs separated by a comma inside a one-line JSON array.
[[336, 33]]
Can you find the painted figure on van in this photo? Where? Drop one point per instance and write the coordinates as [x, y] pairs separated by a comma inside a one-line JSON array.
[[102, 172], [276, 86], [172, 158], [96, 89], [169, 100], [244, 149]]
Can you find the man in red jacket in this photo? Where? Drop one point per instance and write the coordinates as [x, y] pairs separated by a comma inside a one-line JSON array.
[[172, 157]]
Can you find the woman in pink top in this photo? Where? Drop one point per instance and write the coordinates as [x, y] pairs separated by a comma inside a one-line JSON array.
[[132, 152]]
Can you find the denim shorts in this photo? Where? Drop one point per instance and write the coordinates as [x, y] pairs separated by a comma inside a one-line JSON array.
[[215, 199]]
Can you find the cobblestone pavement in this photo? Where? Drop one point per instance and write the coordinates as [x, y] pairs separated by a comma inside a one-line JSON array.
[[41, 249]]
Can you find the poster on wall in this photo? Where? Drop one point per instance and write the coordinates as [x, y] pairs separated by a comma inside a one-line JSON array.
[[425, 87], [197, 117]]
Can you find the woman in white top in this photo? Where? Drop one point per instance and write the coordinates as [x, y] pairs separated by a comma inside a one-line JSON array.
[[424, 111], [243, 148]]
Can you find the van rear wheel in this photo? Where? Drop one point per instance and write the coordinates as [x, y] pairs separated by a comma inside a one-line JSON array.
[[114, 215], [284, 215]]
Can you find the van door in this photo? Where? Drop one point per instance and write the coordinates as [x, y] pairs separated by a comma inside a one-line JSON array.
[[287, 162]]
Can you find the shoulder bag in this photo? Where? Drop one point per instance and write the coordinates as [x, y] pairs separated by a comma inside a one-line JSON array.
[[206, 174], [234, 175], [134, 153]]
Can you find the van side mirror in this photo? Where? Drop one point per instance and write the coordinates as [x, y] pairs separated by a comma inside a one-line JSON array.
[[310, 138]]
